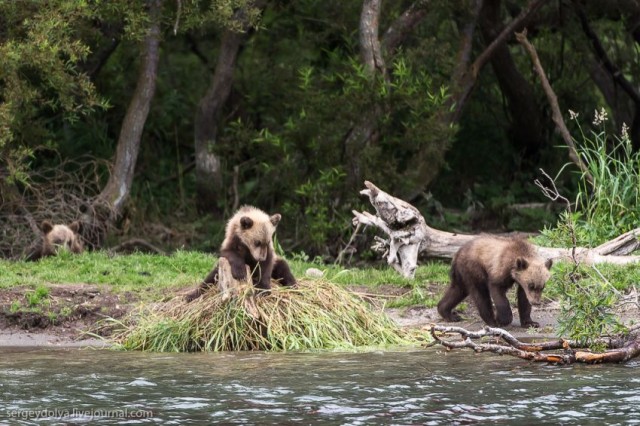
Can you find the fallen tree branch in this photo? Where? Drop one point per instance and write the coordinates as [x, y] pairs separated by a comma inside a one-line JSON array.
[[619, 349], [408, 235]]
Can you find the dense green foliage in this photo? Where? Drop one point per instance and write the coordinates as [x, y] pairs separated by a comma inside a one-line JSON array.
[[608, 203], [611, 203], [300, 90], [40, 78]]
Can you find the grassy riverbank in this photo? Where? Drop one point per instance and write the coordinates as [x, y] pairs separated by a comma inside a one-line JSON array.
[[153, 277], [70, 293]]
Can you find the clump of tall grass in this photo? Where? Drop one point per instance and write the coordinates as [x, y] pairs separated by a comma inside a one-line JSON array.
[[314, 315], [608, 199]]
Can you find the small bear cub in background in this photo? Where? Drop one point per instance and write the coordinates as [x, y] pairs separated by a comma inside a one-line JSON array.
[[57, 237]]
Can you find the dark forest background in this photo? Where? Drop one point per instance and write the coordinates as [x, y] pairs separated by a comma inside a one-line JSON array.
[[156, 119]]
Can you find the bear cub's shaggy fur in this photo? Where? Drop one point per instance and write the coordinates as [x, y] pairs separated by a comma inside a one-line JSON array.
[[485, 268], [57, 237], [249, 241]]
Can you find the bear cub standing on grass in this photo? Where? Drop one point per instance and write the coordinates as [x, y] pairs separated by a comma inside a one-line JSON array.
[[485, 268], [248, 240], [57, 237]]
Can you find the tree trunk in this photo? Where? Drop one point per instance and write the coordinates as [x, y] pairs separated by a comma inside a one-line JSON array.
[[110, 202], [364, 131], [209, 185], [617, 76], [527, 129], [464, 78], [555, 107], [409, 235]]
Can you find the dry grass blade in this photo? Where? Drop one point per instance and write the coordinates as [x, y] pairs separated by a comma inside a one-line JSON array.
[[314, 315]]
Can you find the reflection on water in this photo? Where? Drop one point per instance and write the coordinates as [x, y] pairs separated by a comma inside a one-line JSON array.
[[415, 387]]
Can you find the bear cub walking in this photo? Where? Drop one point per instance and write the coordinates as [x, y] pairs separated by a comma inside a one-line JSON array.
[[249, 241], [485, 268]]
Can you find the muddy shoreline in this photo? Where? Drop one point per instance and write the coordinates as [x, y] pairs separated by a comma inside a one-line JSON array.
[[72, 316]]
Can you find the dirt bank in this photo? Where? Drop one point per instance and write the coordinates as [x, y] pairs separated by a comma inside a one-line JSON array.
[[72, 314], [60, 315]]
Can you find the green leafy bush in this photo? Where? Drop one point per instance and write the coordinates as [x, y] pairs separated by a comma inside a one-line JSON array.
[[587, 303]]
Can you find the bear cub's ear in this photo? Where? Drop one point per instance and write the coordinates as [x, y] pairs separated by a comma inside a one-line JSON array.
[[246, 222], [521, 264], [75, 226], [46, 226], [548, 263], [275, 219]]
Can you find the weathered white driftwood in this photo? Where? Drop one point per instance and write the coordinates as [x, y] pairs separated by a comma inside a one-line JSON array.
[[408, 235]]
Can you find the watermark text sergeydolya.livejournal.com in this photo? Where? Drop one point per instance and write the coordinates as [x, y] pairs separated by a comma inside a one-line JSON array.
[[84, 413]]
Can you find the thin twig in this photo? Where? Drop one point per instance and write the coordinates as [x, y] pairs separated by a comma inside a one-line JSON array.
[[554, 195], [342, 252], [178, 12]]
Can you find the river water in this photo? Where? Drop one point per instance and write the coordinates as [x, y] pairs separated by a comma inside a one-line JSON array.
[[420, 386]]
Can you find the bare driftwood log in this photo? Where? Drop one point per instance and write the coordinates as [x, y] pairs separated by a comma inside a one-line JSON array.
[[409, 235], [568, 352]]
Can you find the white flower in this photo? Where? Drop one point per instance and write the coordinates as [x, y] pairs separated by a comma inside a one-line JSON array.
[[573, 115], [625, 132], [600, 117]]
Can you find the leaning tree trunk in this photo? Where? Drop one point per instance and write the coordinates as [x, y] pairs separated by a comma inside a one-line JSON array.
[[110, 202], [408, 235], [466, 74]]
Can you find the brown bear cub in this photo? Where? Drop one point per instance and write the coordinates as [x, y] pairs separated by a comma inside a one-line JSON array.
[[485, 268], [57, 237], [248, 240]]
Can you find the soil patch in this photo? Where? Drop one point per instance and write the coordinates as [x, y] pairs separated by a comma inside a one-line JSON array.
[[58, 313]]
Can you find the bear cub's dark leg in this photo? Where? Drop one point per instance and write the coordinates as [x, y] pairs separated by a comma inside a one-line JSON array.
[[455, 294], [504, 316], [282, 273], [208, 282], [524, 310]]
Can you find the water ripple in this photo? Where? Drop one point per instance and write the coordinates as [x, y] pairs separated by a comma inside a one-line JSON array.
[[419, 387]]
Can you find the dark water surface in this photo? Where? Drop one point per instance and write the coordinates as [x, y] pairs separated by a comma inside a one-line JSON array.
[[74, 386]]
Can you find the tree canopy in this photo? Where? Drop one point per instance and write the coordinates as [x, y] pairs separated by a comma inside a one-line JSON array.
[[186, 109]]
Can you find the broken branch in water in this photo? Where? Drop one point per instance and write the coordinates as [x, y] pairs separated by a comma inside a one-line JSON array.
[[568, 352]]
